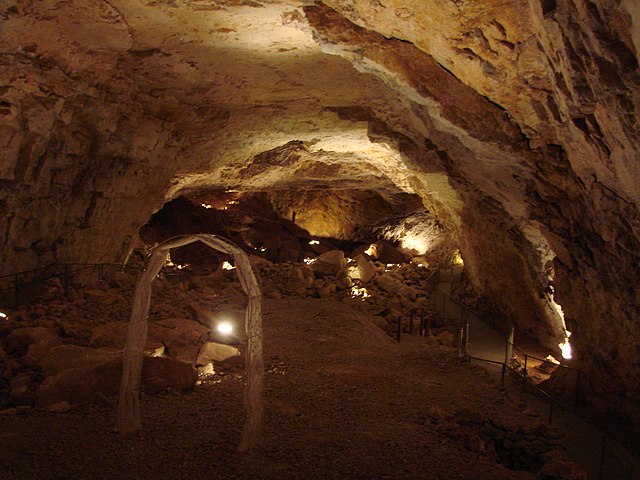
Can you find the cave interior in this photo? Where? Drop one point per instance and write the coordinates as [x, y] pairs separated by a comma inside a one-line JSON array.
[[361, 152]]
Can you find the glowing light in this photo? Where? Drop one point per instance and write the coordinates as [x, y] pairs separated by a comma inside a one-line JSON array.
[[309, 261], [359, 292], [565, 347], [372, 251], [225, 328], [3, 316], [551, 359], [456, 259], [417, 243], [263, 249], [205, 205], [227, 266], [169, 263], [314, 242]]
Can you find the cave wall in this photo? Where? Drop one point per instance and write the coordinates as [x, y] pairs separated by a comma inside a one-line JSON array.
[[515, 122], [340, 214]]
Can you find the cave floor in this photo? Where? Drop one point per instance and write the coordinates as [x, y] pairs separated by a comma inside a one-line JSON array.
[[342, 400]]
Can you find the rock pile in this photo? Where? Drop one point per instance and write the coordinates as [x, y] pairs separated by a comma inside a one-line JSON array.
[[66, 347], [387, 291]]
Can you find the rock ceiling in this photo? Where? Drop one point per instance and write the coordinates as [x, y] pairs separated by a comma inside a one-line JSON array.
[[516, 122]]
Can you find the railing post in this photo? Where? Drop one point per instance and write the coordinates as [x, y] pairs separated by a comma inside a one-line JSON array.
[[524, 373], [508, 352], [16, 290], [577, 392], [602, 455], [466, 332], [399, 332], [65, 279], [421, 321], [411, 321], [504, 370]]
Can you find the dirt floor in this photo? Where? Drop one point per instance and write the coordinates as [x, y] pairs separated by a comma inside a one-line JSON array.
[[342, 400]]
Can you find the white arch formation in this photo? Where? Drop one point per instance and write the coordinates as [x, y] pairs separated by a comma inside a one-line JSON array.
[[129, 417]]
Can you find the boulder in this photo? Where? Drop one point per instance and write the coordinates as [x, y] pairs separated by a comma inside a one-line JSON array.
[[114, 335], [60, 407], [201, 315], [421, 261], [330, 263], [20, 339], [387, 253], [179, 338], [20, 389], [213, 352], [390, 284], [182, 338], [365, 269], [445, 338], [64, 357], [91, 383]]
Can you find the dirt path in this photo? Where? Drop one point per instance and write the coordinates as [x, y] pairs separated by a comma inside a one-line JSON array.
[[342, 401]]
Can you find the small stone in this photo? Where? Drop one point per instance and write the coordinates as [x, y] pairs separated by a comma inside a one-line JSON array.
[[59, 407], [208, 369]]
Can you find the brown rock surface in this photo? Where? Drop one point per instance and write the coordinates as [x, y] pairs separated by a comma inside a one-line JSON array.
[[92, 381], [329, 411], [516, 123]]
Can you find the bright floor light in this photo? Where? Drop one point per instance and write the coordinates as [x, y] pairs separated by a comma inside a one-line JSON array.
[[225, 328], [227, 266]]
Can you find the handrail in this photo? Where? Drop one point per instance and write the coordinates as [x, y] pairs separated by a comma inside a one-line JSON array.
[[607, 443], [53, 270]]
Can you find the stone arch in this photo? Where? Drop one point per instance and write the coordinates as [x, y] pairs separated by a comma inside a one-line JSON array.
[[129, 416]]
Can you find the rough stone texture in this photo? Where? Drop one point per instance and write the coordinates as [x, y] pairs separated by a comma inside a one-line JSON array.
[[515, 122], [100, 378]]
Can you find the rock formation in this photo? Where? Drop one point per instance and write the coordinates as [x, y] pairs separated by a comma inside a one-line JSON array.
[[515, 123]]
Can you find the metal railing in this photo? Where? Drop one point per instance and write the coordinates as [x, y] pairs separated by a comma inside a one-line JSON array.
[[14, 287], [610, 454]]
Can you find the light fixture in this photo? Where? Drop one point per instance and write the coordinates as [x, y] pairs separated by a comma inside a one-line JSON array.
[[225, 328], [565, 347], [314, 242], [3, 316], [227, 266], [372, 251]]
